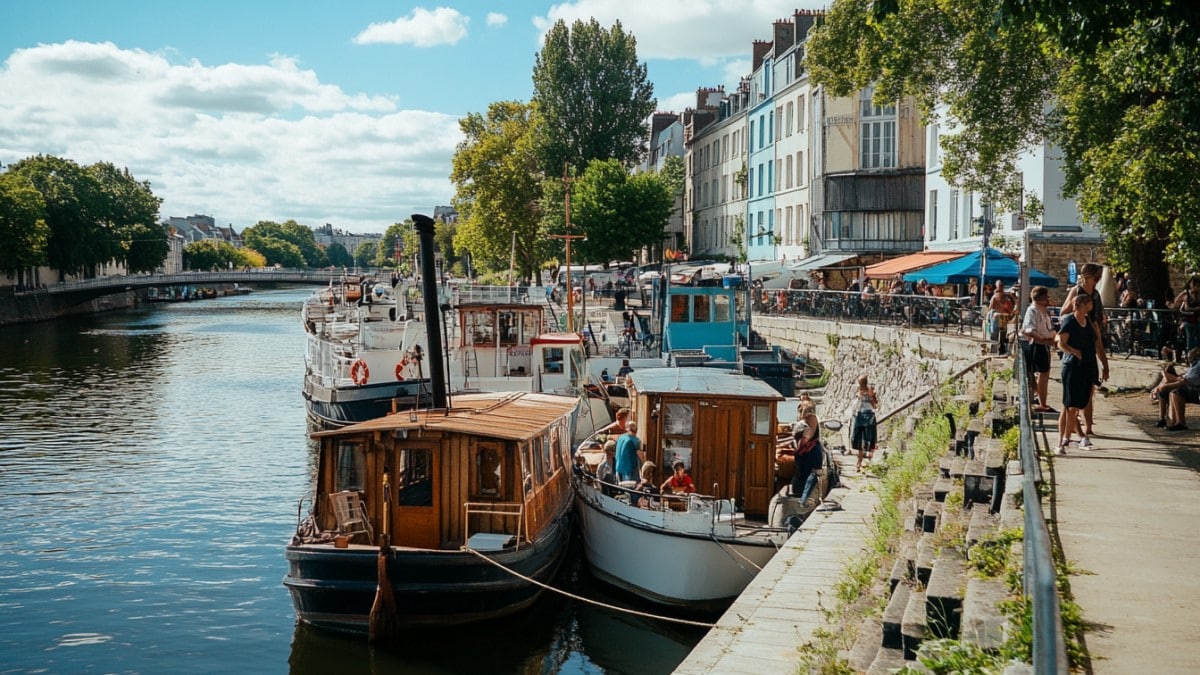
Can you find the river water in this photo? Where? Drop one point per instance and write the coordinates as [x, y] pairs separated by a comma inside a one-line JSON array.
[[151, 462]]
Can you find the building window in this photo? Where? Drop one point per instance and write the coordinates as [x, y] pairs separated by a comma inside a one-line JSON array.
[[762, 125], [801, 177], [760, 178], [933, 144], [790, 108], [952, 230], [779, 129], [800, 126], [878, 138], [933, 215], [788, 168], [752, 135]]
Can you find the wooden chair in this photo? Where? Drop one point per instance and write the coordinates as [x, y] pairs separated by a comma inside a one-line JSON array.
[[350, 514]]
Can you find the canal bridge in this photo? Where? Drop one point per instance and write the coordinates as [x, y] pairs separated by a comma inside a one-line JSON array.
[[49, 301]]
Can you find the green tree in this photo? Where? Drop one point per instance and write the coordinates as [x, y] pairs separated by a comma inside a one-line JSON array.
[[23, 229], [70, 194], [498, 189], [278, 251], [127, 211], [593, 96], [620, 213], [1113, 84], [208, 254], [338, 256], [261, 234], [365, 253], [385, 252]]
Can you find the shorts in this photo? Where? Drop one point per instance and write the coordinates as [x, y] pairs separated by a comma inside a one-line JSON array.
[[1037, 357], [1189, 394], [864, 430]]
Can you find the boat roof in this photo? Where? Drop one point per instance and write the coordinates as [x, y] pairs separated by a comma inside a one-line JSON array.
[[557, 339], [706, 381], [508, 415]]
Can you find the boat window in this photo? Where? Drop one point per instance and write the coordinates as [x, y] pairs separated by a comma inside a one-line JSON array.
[[552, 360], [351, 463], [761, 419], [577, 367], [556, 449], [487, 472], [676, 450], [677, 420], [679, 308], [532, 325], [700, 308], [548, 463], [526, 463], [539, 467], [722, 311], [414, 479], [479, 328], [510, 328]]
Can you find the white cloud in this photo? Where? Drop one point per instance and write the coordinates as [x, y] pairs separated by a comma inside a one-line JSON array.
[[421, 28], [496, 19], [240, 142], [677, 102]]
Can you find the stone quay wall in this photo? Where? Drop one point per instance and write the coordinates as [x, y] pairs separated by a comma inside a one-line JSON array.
[[900, 362]]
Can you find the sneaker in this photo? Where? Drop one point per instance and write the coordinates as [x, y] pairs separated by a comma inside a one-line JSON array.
[[1061, 449], [1161, 423], [1177, 427], [1085, 442]]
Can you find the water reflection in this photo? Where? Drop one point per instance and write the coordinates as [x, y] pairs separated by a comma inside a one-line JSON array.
[[151, 462]]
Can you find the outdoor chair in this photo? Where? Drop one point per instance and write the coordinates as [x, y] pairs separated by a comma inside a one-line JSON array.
[[350, 514]]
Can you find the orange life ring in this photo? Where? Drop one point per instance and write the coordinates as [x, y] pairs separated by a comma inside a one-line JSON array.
[[359, 372], [400, 369]]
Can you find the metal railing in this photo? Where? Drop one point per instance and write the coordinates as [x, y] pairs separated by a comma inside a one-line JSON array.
[[1040, 575], [961, 314]]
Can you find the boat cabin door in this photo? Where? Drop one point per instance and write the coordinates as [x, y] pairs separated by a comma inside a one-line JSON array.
[[414, 521]]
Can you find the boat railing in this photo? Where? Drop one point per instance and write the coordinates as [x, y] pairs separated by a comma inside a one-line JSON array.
[[505, 511], [498, 294]]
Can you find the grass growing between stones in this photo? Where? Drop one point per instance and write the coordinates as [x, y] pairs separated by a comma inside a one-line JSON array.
[[860, 593]]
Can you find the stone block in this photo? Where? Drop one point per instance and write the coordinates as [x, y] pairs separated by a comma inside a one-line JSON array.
[[887, 661], [914, 630], [866, 648], [923, 563], [983, 524], [982, 623], [944, 595], [929, 515], [893, 618], [941, 488]]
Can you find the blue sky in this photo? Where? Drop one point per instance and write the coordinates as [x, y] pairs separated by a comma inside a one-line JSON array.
[[342, 113]]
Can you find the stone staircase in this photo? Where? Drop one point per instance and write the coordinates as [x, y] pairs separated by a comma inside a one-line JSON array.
[[932, 592]]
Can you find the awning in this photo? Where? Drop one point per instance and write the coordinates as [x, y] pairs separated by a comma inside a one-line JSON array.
[[820, 260], [888, 269], [963, 270], [801, 268]]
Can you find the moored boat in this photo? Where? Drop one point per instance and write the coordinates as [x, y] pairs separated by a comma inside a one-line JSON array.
[[474, 492], [489, 473], [695, 550]]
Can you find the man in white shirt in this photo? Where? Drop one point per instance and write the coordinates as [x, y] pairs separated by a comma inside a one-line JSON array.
[[1038, 334]]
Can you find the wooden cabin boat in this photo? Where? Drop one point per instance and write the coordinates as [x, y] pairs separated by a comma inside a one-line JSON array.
[[474, 491], [490, 473], [695, 550]]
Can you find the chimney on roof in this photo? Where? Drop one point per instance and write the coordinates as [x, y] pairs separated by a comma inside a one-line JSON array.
[[761, 49], [804, 20], [785, 36]]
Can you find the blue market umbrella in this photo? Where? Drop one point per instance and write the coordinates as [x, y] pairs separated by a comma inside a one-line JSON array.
[[1000, 267]]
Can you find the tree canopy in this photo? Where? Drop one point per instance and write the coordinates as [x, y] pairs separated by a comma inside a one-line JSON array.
[[23, 229], [498, 187], [289, 244], [1113, 84], [94, 215], [593, 97], [621, 213]]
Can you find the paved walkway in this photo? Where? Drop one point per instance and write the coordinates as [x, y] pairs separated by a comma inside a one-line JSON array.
[[779, 610], [1128, 513]]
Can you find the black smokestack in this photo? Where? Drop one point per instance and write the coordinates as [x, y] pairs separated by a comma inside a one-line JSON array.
[[433, 324]]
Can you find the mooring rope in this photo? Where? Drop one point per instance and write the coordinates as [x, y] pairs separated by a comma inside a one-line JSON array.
[[589, 601]]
